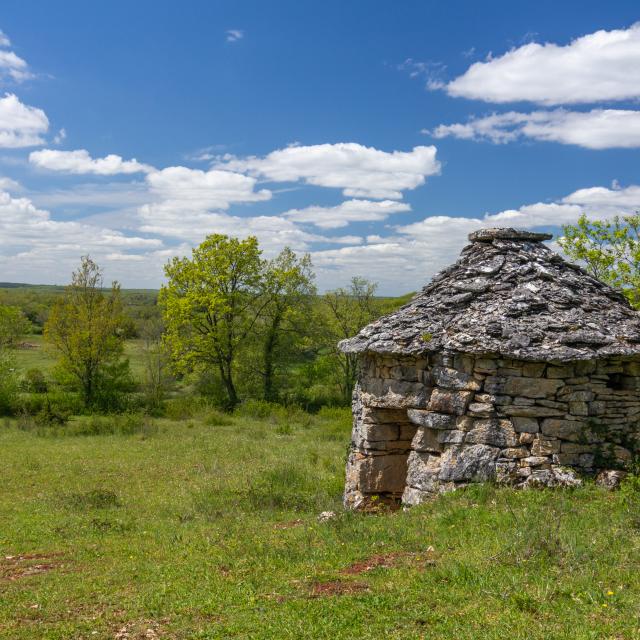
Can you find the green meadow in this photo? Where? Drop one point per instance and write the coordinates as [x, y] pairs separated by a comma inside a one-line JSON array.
[[206, 526]]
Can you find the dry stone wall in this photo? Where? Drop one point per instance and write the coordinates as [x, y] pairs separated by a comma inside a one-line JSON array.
[[427, 425]]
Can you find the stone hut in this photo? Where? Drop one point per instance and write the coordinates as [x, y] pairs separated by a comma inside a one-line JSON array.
[[512, 365]]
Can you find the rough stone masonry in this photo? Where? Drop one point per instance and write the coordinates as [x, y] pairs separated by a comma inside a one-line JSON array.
[[512, 365]]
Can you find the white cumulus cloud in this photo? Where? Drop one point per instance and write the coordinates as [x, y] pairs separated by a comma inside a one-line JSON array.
[[37, 248], [346, 212], [81, 162], [600, 66], [20, 124], [595, 129], [361, 172]]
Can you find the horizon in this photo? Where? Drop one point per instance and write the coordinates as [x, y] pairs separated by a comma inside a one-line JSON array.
[[371, 136]]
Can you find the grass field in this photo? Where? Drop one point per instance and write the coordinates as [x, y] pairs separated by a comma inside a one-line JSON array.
[[207, 528], [41, 357]]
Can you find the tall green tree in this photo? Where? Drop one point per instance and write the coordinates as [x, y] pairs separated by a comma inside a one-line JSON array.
[[13, 324], [609, 250], [288, 292], [210, 304], [347, 311], [85, 327]]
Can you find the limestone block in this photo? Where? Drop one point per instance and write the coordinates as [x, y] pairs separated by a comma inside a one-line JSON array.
[[531, 412], [422, 471], [413, 497], [451, 437], [565, 429], [426, 440], [463, 363], [578, 408], [497, 433], [506, 472], [535, 461], [464, 423], [393, 394], [569, 395], [574, 447], [431, 419], [524, 402], [452, 402], [368, 435], [560, 372], [526, 438], [485, 365], [554, 477], [585, 367], [533, 369], [586, 460], [525, 425], [468, 463], [632, 368], [383, 416], [566, 458], [403, 372], [545, 446], [509, 371], [610, 478], [622, 454], [481, 410], [531, 387], [552, 404], [377, 474], [514, 452], [453, 379]]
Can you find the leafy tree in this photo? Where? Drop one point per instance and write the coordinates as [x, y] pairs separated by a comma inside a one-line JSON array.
[[210, 304], [288, 292], [348, 311], [157, 379], [13, 324], [85, 328], [9, 384], [609, 249]]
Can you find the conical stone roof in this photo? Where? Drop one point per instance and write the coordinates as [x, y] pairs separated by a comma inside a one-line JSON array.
[[509, 295]]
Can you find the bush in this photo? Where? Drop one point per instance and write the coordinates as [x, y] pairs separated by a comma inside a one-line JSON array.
[[124, 424], [8, 384], [63, 401], [118, 424], [181, 408], [218, 419], [51, 416], [34, 381]]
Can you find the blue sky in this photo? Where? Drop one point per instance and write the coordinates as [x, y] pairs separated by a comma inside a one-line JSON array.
[[374, 135]]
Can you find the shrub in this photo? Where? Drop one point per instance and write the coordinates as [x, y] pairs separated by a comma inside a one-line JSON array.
[[95, 425], [181, 408], [8, 384], [51, 416], [62, 401], [218, 419], [34, 381]]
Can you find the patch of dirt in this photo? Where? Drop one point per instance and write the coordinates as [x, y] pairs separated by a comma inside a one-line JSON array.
[[25, 565], [390, 560], [27, 345], [291, 524], [337, 588], [142, 630]]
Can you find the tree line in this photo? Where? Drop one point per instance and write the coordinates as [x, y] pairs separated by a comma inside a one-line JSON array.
[[231, 325]]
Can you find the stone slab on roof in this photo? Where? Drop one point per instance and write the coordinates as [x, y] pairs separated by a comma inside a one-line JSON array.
[[509, 295]]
